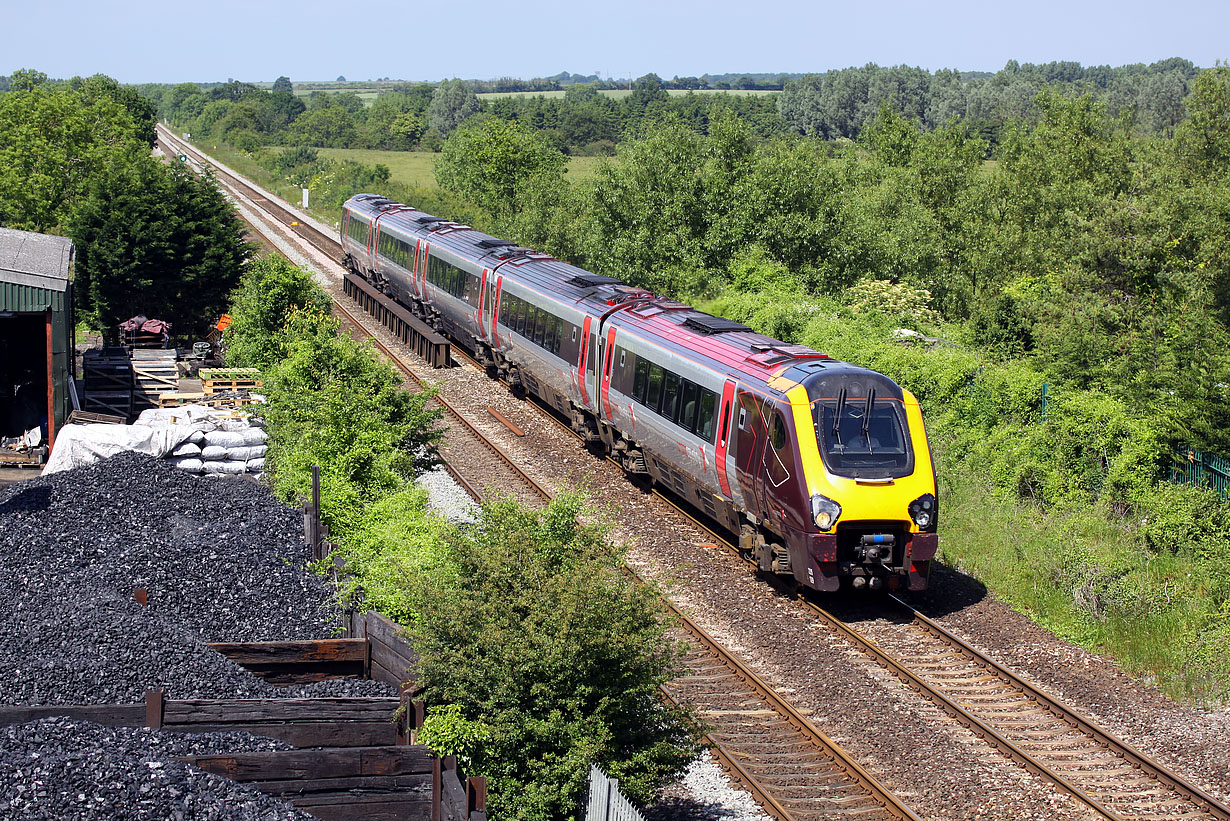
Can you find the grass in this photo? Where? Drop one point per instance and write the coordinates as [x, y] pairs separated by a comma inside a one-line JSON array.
[[620, 93], [416, 168]]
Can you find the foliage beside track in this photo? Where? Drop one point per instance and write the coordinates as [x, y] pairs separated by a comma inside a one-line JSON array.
[[1071, 297]]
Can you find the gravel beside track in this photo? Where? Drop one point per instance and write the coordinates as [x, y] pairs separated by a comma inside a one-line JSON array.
[[59, 768], [221, 560]]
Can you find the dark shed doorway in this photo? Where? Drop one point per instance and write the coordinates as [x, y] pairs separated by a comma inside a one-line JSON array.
[[23, 374]]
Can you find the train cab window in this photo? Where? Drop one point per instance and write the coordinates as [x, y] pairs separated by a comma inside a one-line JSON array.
[[641, 383], [670, 396], [706, 414], [654, 394], [861, 441], [778, 434]]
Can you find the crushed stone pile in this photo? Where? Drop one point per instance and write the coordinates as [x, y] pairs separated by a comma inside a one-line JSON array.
[[222, 560], [59, 768]]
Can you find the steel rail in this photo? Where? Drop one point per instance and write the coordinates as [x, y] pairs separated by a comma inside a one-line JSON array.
[[1075, 718]]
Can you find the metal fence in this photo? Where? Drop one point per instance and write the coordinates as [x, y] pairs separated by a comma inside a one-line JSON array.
[[606, 802], [1192, 467]]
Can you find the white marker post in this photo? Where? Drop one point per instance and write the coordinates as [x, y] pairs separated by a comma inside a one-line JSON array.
[[305, 198]]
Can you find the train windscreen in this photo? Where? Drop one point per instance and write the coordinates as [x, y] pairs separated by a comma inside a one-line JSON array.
[[863, 438]]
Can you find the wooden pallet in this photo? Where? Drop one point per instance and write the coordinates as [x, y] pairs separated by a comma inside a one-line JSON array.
[[87, 418], [222, 379], [154, 372]]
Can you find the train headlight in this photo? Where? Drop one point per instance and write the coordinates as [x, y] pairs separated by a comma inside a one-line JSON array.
[[825, 511], [924, 511]]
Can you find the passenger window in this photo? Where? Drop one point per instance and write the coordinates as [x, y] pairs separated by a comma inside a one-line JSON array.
[[642, 380], [704, 421], [548, 339], [670, 396], [655, 386], [688, 405], [540, 325]]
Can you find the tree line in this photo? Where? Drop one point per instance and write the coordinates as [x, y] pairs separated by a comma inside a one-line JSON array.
[[834, 105]]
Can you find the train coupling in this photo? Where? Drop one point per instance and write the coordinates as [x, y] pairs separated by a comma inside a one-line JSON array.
[[875, 548]]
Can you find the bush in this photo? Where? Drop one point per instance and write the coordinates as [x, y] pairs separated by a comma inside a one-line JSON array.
[[334, 403], [271, 288], [551, 656]]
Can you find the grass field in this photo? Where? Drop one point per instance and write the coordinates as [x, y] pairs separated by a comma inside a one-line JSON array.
[[415, 168], [619, 93]]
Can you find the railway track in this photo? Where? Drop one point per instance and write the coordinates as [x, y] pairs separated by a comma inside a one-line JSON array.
[[794, 770], [1113, 780]]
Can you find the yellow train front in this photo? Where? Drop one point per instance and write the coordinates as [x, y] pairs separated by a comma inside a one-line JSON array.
[[844, 482]]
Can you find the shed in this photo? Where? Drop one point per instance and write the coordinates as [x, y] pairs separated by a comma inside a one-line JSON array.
[[36, 331]]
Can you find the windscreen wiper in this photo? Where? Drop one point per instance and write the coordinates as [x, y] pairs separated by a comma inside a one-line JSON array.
[[871, 401], [841, 406]]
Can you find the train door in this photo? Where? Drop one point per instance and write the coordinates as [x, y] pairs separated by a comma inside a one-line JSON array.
[[582, 361], [607, 354], [483, 310], [750, 436], [724, 437], [497, 291]]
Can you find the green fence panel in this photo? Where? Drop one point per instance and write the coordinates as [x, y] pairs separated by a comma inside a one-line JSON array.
[[1192, 467]]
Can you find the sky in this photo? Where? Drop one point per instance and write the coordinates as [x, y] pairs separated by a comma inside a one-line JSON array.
[[480, 39]]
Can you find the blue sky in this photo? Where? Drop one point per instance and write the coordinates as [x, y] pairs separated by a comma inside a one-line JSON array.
[[317, 40]]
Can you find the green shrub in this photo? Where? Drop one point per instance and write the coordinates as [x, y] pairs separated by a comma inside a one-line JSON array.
[[551, 656]]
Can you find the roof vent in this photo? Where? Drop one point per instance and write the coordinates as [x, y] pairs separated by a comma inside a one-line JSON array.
[[593, 281], [494, 243], [706, 324], [429, 220]]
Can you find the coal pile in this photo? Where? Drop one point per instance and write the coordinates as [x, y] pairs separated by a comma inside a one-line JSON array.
[[59, 768], [221, 560]]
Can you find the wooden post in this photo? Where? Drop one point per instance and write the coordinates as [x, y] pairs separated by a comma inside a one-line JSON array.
[[476, 794], [437, 787], [155, 703], [51, 385], [315, 508]]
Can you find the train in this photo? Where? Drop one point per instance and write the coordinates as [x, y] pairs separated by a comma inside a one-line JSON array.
[[821, 468]]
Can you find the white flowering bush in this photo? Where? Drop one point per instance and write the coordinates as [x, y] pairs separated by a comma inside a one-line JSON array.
[[895, 300]]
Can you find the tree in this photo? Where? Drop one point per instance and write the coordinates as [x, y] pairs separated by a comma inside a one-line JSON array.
[[799, 105], [551, 657], [271, 288], [283, 85], [452, 102], [153, 239], [52, 142], [1203, 142], [490, 161], [330, 127]]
